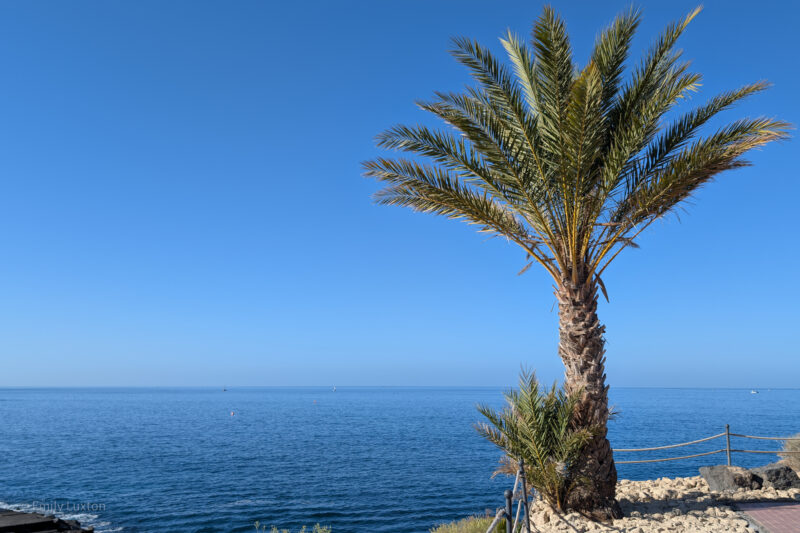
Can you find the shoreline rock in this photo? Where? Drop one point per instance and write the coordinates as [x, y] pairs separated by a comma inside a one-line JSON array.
[[11, 520], [731, 478], [778, 476]]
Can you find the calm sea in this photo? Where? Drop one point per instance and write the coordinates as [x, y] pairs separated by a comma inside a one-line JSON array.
[[358, 459]]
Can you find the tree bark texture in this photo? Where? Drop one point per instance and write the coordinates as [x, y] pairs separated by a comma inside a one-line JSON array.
[[582, 349]]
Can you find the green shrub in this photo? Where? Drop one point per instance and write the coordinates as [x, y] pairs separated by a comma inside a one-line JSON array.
[[792, 459], [538, 425], [473, 524]]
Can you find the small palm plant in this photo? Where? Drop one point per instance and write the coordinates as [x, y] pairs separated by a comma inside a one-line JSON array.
[[539, 426]]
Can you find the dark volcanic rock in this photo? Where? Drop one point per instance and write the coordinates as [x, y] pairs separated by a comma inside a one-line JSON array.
[[17, 522], [723, 478], [777, 476]]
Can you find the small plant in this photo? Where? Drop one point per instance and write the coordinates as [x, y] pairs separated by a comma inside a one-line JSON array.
[[473, 524], [539, 426], [316, 529], [793, 457]]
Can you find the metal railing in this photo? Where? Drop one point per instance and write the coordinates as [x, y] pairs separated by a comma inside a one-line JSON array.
[[507, 512], [727, 449]]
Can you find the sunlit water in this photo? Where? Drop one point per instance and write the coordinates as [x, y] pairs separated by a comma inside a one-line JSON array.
[[358, 459]]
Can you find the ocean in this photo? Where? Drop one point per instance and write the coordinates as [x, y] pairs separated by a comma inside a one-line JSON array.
[[360, 459]]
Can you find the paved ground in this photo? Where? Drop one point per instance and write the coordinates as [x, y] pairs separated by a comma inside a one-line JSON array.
[[773, 517]]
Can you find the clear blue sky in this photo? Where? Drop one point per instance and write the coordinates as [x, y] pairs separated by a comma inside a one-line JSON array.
[[182, 205]]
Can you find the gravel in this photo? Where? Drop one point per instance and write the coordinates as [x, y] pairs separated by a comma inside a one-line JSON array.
[[665, 505]]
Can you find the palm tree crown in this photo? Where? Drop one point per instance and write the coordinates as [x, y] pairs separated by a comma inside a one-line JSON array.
[[570, 164]]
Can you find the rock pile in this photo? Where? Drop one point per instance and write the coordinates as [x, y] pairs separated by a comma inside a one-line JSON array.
[[778, 476], [732, 478]]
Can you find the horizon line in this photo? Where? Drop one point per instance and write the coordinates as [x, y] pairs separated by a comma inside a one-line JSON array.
[[2, 387]]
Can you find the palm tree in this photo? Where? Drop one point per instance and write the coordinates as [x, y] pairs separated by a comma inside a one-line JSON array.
[[571, 164]]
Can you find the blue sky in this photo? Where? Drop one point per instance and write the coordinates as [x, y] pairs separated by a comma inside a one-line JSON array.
[[182, 205]]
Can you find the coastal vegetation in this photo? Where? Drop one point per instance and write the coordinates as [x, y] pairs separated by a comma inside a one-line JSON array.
[[792, 455], [571, 163], [272, 529], [539, 426], [472, 524]]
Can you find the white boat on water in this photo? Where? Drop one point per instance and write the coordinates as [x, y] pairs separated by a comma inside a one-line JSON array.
[[753, 391]]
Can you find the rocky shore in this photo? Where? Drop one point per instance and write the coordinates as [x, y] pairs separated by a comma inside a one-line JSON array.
[[666, 505], [18, 522]]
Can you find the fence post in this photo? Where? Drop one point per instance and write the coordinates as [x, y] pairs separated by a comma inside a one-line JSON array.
[[524, 493], [728, 442], [509, 510]]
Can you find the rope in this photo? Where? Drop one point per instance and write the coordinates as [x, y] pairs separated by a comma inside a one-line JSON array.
[[778, 452], [670, 446], [516, 518], [671, 458], [763, 438]]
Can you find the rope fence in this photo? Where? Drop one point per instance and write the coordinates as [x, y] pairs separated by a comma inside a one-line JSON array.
[[727, 449], [763, 438], [670, 445], [669, 458]]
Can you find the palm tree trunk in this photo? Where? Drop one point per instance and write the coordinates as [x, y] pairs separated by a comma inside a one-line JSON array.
[[581, 348]]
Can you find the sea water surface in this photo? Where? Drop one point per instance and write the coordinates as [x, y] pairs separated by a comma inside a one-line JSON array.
[[359, 459]]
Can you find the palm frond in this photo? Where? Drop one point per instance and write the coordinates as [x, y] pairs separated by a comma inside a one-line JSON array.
[[694, 166], [684, 129], [434, 190], [611, 51]]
